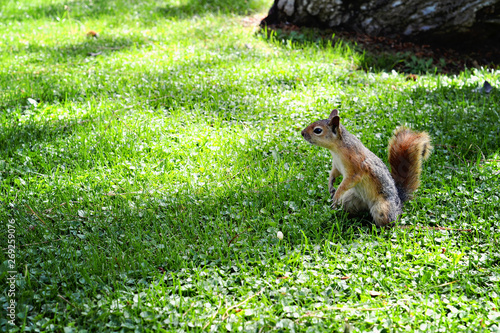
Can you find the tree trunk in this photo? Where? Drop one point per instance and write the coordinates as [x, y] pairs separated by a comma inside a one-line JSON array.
[[452, 21]]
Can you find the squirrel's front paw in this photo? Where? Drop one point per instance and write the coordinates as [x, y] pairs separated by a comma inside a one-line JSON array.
[[332, 191], [335, 203]]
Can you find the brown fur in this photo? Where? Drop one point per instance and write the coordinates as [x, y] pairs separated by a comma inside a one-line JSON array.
[[407, 149], [357, 173]]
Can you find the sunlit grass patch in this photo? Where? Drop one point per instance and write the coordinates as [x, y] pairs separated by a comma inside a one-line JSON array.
[[149, 170]]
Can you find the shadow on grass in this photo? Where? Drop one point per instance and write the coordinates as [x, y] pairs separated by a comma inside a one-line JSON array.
[[164, 90], [50, 83], [386, 54], [242, 222], [174, 231], [465, 118], [53, 11], [58, 10], [196, 7], [83, 51], [79, 10]]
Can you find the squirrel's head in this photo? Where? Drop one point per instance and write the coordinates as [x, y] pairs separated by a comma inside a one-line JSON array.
[[325, 133]]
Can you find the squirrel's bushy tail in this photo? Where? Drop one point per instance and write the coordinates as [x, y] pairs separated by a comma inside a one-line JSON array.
[[407, 149]]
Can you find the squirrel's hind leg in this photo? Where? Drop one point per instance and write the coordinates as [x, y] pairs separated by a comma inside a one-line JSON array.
[[352, 202]]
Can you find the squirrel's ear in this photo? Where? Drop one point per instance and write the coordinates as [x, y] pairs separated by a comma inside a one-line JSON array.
[[334, 113], [334, 123]]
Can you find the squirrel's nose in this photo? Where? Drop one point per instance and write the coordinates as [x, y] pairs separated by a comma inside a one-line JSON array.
[[303, 132]]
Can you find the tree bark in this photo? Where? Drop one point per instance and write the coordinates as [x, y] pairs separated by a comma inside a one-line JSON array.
[[454, 21]]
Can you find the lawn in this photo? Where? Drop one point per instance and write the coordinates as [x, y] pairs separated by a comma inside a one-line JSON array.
[[144, 175]]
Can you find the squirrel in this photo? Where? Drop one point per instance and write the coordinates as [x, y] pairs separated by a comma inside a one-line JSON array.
[[367, 183], [92, 34]]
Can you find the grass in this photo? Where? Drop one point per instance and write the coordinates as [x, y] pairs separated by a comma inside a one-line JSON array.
[[147, 183]]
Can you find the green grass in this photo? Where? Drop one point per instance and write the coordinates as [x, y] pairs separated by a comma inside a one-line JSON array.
[[147, 183]]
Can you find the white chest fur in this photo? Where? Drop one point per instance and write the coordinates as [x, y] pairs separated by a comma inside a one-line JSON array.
[[337, 163]]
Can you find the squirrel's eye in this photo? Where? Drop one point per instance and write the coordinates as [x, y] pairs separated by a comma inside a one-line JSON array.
[[317, 130]]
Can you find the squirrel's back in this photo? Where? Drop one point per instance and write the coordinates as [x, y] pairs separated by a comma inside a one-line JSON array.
[[407, 149]]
